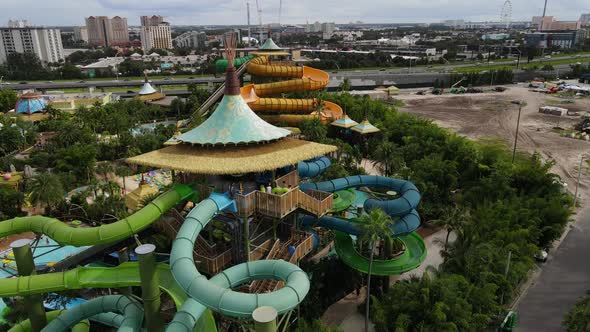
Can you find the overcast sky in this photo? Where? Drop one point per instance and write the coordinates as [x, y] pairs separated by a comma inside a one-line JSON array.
[[207, 12]]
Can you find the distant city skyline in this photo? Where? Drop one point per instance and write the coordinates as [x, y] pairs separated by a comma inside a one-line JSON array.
[[228, 12]]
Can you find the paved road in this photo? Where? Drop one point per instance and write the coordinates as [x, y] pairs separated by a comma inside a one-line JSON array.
[[564, 278]]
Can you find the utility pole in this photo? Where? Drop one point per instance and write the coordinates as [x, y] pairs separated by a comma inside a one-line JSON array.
[[249, 30], [517, 126], [579, 177]]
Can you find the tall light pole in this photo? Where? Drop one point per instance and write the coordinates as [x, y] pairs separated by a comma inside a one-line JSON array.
[[579, 177], [520, 104]]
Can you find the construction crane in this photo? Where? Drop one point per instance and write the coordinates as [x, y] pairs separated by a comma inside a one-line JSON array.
[[249, 30], [280, 10], [259, 10], [260, 29]]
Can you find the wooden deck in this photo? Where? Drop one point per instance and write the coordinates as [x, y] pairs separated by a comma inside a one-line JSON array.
[[315, 202]]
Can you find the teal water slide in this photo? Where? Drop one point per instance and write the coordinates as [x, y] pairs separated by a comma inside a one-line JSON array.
[[402, 209], [216, 293]]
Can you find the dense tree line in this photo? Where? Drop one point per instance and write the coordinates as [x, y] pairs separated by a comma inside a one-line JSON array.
[[495, 207], [578, 318]]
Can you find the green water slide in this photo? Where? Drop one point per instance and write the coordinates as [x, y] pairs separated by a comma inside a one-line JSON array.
[[126, 274], [66, 235], [413, 255], [25, 325]]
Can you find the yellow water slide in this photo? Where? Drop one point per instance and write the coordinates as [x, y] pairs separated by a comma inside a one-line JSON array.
[[299, 79]]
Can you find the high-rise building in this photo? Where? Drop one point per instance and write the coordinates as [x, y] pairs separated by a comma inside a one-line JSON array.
[[191, 39], [155, 33], [81, 33], [18, 23], [43, 42], [585, 19], [151, 20], [103, 31]]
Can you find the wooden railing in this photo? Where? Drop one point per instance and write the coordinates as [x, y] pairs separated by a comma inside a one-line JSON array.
[[291, 179], [262, 249], [304, 246], [246, 203], [277, 206], [203, 190], [316, 202], [213, 265]]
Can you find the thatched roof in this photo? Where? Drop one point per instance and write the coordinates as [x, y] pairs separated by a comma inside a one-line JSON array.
[[233, 122], [232, 159], [151, 97], [134, 198]]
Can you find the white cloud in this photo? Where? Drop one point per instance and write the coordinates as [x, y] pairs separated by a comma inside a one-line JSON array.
[[68, 12]]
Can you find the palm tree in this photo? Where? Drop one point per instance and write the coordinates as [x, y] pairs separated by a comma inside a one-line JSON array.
[[387, 158], [452, 219], [123, 171], [374, 227], [46, 189], [104, 169]]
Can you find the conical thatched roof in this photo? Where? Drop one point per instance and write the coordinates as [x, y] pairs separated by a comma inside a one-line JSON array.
[[269, 45], [345, 122], [365, 127], [233, 122]]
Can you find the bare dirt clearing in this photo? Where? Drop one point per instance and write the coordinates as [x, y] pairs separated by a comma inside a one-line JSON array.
[[493, 115]]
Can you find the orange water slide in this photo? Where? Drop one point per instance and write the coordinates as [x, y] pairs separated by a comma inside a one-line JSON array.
[[291, 110]]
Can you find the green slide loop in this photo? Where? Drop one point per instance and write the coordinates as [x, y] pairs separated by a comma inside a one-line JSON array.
[[217, 293], [413, 256], [131, 310], [78, 237]]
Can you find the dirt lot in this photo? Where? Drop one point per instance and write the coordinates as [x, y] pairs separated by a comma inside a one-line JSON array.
[[493, 115]]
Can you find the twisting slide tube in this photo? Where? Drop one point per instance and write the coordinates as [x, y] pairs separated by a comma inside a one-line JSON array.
[[299, 79], [66, 235], [216, 293], [131, 310], [314, 167], [25, 325], [403, 209]]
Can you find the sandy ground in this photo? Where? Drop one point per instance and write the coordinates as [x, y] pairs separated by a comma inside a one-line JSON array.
[[493, 115]]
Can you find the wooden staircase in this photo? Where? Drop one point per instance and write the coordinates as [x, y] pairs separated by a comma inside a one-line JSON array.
[[278, 251]]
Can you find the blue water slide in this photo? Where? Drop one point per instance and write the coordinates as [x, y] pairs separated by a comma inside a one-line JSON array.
[[403, 207], [313, 167], [408, 200]]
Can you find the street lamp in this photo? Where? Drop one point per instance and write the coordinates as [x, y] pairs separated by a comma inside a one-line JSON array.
[[520, 104], [579, 177]]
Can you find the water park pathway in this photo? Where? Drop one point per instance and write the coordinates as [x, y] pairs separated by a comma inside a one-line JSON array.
[[344, 312]]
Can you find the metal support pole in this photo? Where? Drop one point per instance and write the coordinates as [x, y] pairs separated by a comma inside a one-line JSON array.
[[150, 292], [517, 126], [124, 257], [246, 237], [265, 319], [25, 264], [578, 180]]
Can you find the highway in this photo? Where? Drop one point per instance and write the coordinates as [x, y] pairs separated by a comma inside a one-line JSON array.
[[379, 76]]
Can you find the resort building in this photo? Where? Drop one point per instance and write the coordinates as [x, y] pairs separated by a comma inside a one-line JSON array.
[[104, 31], [45, 43], [155, 33]]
